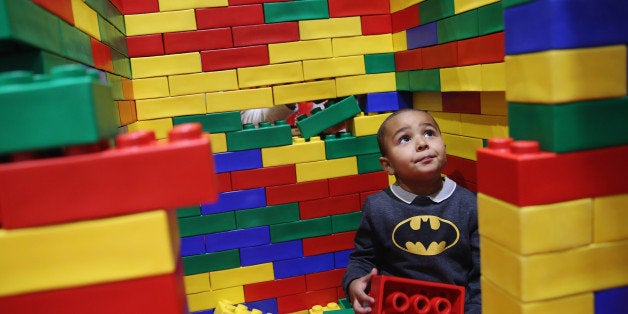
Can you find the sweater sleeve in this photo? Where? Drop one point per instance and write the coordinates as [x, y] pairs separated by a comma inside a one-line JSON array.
[[473, 301]]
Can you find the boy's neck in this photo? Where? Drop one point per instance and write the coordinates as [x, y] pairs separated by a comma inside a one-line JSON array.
[[424, 188]]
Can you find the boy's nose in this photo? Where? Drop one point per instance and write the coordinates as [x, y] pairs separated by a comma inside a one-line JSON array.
[[421, 145]]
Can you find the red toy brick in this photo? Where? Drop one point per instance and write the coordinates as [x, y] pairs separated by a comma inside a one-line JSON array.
[[324, 280], [145, 45], [461, 168], [273, 289], [440, 56], [358, 183], [462, 102], [296, 192], [304, 301], [137, 7], [480, 50], [405, 19], [519, 173], [102, 55], [139, 174], [376, 24], [341, 8], [329, 243], [232, 58], [263, 177], [409, 60], [265, 33], [191, 41], [234, 15], [224, 182], [60, 8], [330, 206], [241, 2]]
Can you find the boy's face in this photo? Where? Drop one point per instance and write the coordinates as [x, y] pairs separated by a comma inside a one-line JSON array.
[[415, 150]]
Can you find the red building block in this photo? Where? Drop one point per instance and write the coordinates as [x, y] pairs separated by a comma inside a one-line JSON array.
[[138, 174], [403, 295], [137, 7], [462, 102], [341, 8], [519, 173], [273, 289], [191, 41], [102, 55], [145, 45], [376, 24], [440, 56], [223, 182], [480, 50], [329, 243], [223, 59], [324, 280], [265, 34], [304, 301], [405, 19], [263, 177], [358, 183], [234, 15], [330, 206], [240, 2], [296, 192], [60, 8], [409, 60], [458, 168]]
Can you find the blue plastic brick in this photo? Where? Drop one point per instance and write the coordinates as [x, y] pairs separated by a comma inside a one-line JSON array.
[[234, 200], [265, 306], [341, 258], [237, 239], [242, 160], [422, 36], [271, 252], [388, 101], [612, 301], [303, 265], [192, 245]]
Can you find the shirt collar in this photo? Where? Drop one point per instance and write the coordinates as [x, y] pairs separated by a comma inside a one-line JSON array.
[[407, 197]]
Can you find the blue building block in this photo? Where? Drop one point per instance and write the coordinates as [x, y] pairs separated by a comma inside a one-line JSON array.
[[611, 301], [271, 252], [242, 160], [388, 101], [240, 238], [266, 306], [341, 258], [235, 200], [562, 24], [193, 245], [422, 36], [304, 265]]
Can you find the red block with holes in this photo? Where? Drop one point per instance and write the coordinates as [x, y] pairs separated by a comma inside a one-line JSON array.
[[376, 24], [403, 295], [462, 102], [102, 55], [440, 56], [139, 174], [405, 19], [297, 192], [262, 177], [330, 206], [138, 7], [60, 8], [191, 41], [234, 15], [325, 279], [358, 183], [231, 58], [304, 301], [483, 49], [409, 60], [341, 8], [145, 45], [273, 289], [265, 34], [520, 173], [329, 243]]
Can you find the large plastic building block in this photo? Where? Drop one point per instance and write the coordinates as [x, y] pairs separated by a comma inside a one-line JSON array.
[[466, 78], [203, 263], [301, 191], [361, 45], [376, 24], [329, 206], [62, 9], [611, 301], [270, 74], [271, 252], [275, 12], [369, 163], [362, 125], [333, 114], [205, 39], [340, 8], [181, 63], [299, 92], [324, 280], [300, 151], [231, 58], [491, 18], [403, 295], [239, 238], [405, 19], [197, 283], [101, 54], [519, 173], [266, 135], [261, 177], [160, 22], [241, 276], [303, 265], [275, 288], [60, 189], [462, 102], [241, 160], [300, 50], [98, 251], [193, 245], [424, 80], [267, 215], [388, 101], [330, 28], [358, 183], [25, 24], [461, 169], [547, 25], [75, 45], [422, 36], [346, 222], [300, 229], [558, 128], [205, 302], [197, 225], [329, 243], [145, 45], [440, 56], [111, 36], [434, 10], [319, 309], [367, 83], [332, 168], [379, 63], [483, 49], [608, 215], [407, 60], [32, 118], [305, 301], [214, 122], [234, 200], [233, 15], [457, 27], [262, 34], [166, 107]]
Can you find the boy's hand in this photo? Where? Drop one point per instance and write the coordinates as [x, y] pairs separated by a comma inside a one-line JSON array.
[[357, 294]]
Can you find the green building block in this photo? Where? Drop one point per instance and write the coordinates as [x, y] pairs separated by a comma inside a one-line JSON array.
[[334, 113], [109, 12], [266, 135], [191, 211], [121, 64], [214, 122], [36, 61], [402, 80], [204, 263], [191, 226], [69, 107], [460, 26], [75, 44], [572, 126], [345, 222], [111, 36], [344, 144], [25, 25], [369, 163], [510, 3], [424, 80], [434, 10], [300, 229], [345, 303], [269, 215], [379, 63], [275, 12], [490, 19]]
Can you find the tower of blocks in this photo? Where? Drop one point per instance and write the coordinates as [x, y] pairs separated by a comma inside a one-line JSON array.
[[265, 218]]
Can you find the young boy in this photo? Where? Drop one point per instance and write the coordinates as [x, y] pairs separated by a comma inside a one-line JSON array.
[[423, 226]]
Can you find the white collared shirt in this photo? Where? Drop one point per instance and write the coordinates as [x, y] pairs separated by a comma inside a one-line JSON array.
[[407, 197]]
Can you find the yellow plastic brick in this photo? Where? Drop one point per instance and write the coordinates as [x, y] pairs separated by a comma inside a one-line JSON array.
[[493, 76], [182, 63], [430, 101], [169, 5], [364, 84], [610, 217], [397, 5], [209, 299], [484, 126], [329, 28], [462, 146], [458, 79], [467, 5], [493, 103], [239, 99], [218, 142], [333, 67], [449, 122], [270, 74], [400, 41], [153, 87], [161, 127], [361, 45], [325, 169], [300, 151], [300, 50], [293, 93], [170, 106], [205, 82], [85, 18], [362, 125], [160, 22], [242, 276], [197, 283]]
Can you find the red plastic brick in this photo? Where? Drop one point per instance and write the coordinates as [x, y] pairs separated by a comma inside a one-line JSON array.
[[240, 2], [462, 102], [329, 243], [234, 15], [137, 7], [341, 8], [324, 280], [376, 24], [138, 174], [265, 34], [273, 289], [263, 177], [191, 41], [60, 8], [405, 19], [102, 55], [440, 56], [358, 183], [224, 182], [223, 59], [480, 50], [330, 206], [408, 60], [461, 169], [304, 301], [145, 45], [296, 192]]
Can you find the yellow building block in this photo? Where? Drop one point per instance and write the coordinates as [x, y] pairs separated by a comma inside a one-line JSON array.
[[160, 22], [449, 122], [170, 106], [610, 217], [364, 84], [242, 276], [239, 99], [361, 45], [319, 309], [400, 41], [169, 5], [293, 93], [429, 101], [461, 79], [153, 87], [594, 267], [558, 76], [498, 301], [182, 63], [88, 252], [536, 229], [362, 125], [484, 126], [333, 67], [299, 152], [161, 127], [196, 283], [218, 142], [300, 50], [325, 169], [462, 146], [209, 299], [329, 28], [493, 76], [396, 5], [270, 74], [493, 103], [467, 5], [204, 82], [85, 18]]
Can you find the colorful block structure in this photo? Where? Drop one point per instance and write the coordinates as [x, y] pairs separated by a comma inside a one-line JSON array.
[[103, 105]]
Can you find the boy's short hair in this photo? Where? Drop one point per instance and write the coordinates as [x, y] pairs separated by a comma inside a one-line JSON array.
[[382, 127]]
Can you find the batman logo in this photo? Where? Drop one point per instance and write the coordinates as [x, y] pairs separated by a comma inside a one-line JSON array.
[[425, 235]]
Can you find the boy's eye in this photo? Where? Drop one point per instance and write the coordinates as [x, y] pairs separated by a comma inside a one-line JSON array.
[[404, 139], [429, 133]]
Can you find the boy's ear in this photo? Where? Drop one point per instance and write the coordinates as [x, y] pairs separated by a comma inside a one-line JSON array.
[[386, 165]]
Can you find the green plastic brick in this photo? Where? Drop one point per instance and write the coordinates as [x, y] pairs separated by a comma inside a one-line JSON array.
[[300, 229], [344, 145], [266, 135], [191, 211], [69, 107], [572, 126], [460, 26], [36, 61], [121, 64], [112, 36], [369, 163], [275, 12], [75, 44], [214, 122], [379, 63], [424, 80], [334, 113], [510, 3], [23, 23], [402, 80], [346, 222], [490, 19], [204, 263], [269, 215], [191, 226], [434, 10], [109, 12]]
